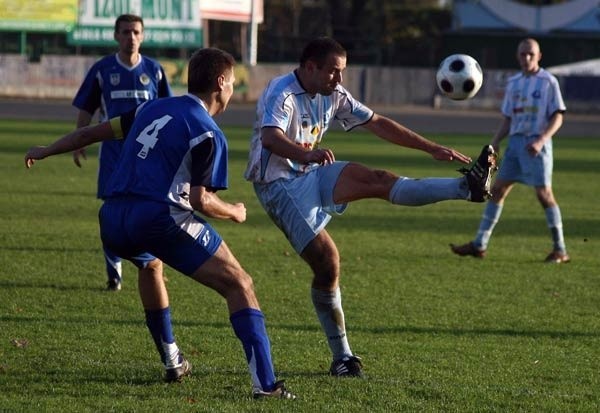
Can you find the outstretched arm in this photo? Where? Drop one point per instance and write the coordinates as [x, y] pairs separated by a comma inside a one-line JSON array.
[[395, 133], [74, 140]]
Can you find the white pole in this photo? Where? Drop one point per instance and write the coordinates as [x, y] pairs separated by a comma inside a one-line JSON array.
[[253, 33]]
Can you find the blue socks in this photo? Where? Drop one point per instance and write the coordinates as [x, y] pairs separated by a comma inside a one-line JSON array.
[[159, 324], [249, 326]]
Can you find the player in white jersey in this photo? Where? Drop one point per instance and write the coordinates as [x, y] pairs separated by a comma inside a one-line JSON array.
[[173, 162], [299, 183], [115, 85], [533, 112]]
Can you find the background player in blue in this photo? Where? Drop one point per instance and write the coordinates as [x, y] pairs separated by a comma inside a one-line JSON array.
[[173, 162], [114, 85], [300, 184], [533, 110]]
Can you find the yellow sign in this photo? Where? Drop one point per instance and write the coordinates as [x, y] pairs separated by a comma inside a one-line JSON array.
[[37, 14]]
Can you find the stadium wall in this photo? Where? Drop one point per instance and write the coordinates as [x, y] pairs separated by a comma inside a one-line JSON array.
[[59, 77]]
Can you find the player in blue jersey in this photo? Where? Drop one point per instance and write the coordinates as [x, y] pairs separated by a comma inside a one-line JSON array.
[[173, 162], [299, 183], [114, 85], [533, 110]]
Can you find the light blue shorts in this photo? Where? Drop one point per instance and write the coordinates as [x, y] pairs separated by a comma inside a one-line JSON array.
[[301, 206], [519, 166]]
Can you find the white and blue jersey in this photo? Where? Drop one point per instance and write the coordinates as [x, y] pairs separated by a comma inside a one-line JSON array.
[[303, 118], [172, 145], [114, 88], [530, 101]]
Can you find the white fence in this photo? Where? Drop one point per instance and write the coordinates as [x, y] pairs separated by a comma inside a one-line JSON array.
[[58, 77]]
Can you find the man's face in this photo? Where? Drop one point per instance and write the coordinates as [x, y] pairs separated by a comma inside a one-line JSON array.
[[226, 88], [325, 79], [529, 55], [130, 36]]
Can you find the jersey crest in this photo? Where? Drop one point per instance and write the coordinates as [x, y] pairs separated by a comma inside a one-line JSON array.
[[144, 79]]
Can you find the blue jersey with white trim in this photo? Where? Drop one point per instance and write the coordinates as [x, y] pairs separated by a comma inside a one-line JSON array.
[[172, 145], [530, 101], [303, 118], [114, 88]]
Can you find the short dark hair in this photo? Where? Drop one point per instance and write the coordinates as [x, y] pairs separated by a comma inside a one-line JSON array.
[[319, 49], [205, 66], [127, 18]]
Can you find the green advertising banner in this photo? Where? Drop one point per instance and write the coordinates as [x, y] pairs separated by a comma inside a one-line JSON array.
[[167, 23]]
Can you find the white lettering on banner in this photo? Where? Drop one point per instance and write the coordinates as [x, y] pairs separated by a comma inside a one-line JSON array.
[[156, 13]]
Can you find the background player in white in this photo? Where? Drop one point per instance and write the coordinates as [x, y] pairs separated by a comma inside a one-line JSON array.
[[114, 85], [300, 183], [173, 162], [533, 110]]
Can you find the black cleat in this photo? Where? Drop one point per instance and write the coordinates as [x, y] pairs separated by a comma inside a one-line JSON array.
[[178, 372], [479, 175], [113, 285], [347, 367]]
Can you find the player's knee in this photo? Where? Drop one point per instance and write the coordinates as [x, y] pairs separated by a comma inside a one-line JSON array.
[[326, 272], [152, 269], [244, 283], [382, 175], [383, 181]]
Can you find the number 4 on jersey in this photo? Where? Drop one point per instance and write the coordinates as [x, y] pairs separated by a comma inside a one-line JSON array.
[[148, 137]]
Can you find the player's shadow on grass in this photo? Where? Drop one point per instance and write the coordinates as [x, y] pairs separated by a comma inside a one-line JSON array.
[[12, 284], [49, 249]]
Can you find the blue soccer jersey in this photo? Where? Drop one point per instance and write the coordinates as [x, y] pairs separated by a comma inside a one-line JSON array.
[[173, 144], [114, 88]]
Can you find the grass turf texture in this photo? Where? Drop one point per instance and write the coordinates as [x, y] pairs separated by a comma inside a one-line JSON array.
[[436, 332]]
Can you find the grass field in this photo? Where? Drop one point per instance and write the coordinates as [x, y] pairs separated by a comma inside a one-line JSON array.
[[437, 333]]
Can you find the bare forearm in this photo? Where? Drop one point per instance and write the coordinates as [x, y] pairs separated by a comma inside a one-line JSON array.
[[276, 142], [210, 205], [554, 125], [501, 133], [398, 134], [81, 137], [83, 119]]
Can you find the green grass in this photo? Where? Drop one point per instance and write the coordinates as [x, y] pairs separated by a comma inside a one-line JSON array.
[[437, 333]]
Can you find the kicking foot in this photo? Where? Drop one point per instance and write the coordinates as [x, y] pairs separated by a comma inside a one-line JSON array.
[[479, 175]]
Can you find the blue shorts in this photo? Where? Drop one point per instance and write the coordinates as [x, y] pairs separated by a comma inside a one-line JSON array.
[[139, 230], [519, 166], [301, 206]]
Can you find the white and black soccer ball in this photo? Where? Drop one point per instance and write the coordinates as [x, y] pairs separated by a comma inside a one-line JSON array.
[[459, 77]]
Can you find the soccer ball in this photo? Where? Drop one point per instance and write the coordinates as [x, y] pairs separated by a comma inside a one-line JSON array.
[[459, 77]]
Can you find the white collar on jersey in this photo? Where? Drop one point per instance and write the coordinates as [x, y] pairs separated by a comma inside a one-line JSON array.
[[197, 99]]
